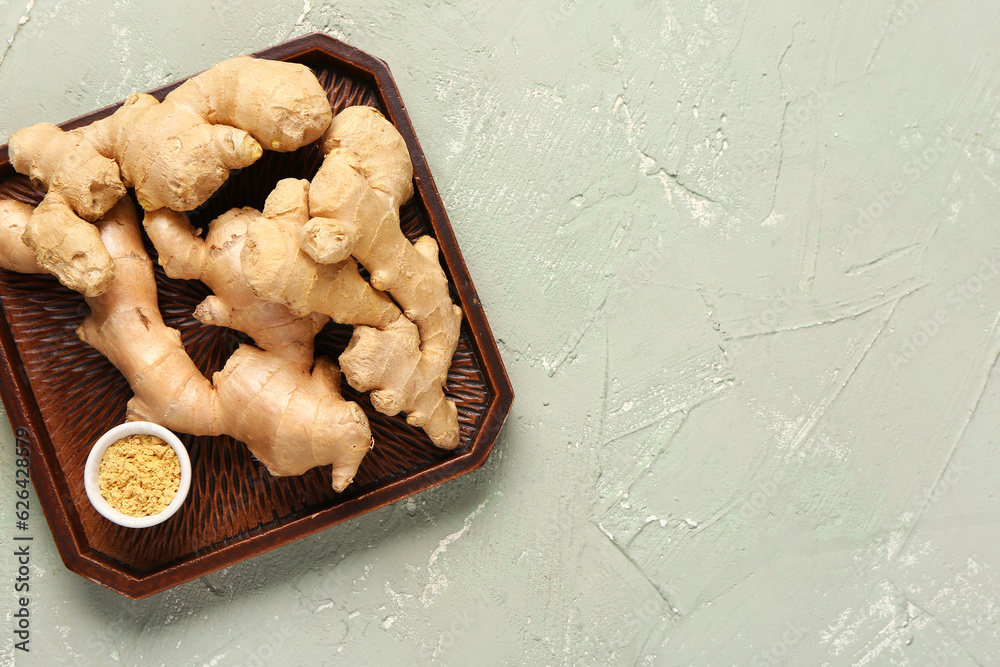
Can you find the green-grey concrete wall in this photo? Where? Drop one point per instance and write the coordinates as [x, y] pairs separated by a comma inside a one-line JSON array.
[[743, 263]]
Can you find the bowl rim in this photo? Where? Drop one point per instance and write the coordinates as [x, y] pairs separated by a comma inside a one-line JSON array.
[[92, 468]]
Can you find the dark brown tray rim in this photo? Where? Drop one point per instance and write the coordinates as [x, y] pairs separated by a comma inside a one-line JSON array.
[[59, 507]]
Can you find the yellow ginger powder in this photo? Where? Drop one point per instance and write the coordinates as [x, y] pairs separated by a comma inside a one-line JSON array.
[[140, 475]]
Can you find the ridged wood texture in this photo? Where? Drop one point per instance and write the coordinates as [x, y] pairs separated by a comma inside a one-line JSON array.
[[236, 509]]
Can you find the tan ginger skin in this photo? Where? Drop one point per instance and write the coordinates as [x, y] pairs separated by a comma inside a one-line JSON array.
[[355, 199], [286, 409], [276, 269], [15, 255], [310, 421], [385, 352], [175, 154], [277, 276]]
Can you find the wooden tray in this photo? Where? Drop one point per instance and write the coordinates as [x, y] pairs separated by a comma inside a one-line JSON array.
[[61, 394]]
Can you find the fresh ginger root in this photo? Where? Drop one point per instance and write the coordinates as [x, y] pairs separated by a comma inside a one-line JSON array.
[[175, 153], [276, 330], [68, 163], [287, 409], [356, 195], [68, 247], [277, 275], [385, 352], [126, 327], [15, 255], [53, 226], [298, 402], [276, 269]]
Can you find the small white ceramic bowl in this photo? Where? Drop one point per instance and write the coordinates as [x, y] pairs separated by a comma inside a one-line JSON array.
[[93, 468]]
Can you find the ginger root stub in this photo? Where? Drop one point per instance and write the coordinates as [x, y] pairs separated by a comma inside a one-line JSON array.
[[277, 275], [139, 475], [174, 153]]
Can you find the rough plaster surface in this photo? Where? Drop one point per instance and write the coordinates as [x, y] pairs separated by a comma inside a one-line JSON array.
[[743, 262]]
